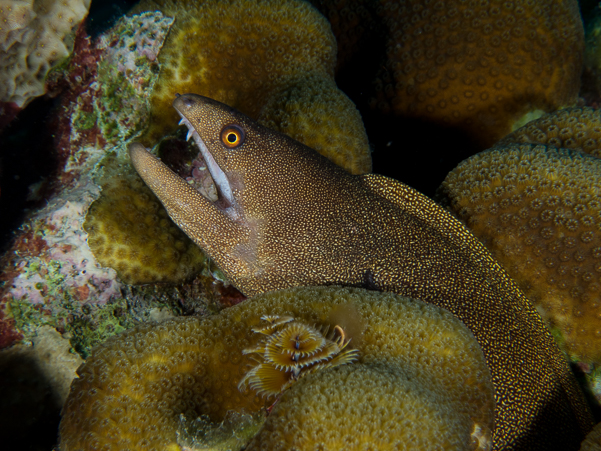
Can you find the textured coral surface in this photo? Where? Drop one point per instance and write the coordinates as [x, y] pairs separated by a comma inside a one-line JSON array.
[[35, 35], [537, 208], [528, 53], [49, 275], [272, 60], [132, 390], [480, 65], [129, 231], [52, 261], [569, 128], [319, 413]]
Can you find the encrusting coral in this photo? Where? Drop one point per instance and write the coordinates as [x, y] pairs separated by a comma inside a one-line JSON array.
[[133, 389], [48, 274], [570, 128], [273, 60], [35, 35], [130, 231], [537, 209]]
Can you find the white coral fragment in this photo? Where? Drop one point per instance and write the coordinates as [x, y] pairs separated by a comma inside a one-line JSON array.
[[35, 35]]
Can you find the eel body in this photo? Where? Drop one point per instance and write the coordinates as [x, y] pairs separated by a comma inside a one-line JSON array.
[[288, 217]]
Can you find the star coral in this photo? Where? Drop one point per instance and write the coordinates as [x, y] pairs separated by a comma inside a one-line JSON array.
[[475, 66], [319, 413], [537, 208], [272, 60], [130, 231], [133, 389], [570, 128], [35, 35], [481, 66]]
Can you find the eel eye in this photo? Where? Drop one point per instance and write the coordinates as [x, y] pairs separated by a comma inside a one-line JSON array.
[[232, 136]]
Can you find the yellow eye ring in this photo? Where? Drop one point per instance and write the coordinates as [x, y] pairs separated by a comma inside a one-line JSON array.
[[232, 136]]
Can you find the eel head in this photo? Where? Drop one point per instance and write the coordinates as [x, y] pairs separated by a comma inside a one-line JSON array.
[[260, 176]]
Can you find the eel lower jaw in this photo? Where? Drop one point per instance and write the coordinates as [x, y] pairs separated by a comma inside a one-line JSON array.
[[226, 202]]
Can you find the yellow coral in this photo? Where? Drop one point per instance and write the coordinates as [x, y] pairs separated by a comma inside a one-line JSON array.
[[480, 66], [132, 390], [537, 209], [130, 231], [273, 60], [570, 128], [359, 407], [34, 36]]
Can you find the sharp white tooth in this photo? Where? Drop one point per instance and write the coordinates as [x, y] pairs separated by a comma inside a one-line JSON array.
[[190, 133], [182, 121]]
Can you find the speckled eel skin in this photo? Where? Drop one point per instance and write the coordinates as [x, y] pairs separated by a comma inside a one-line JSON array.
[[288, 217]]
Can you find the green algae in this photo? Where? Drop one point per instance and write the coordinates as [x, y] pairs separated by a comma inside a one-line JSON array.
[[117, 94], [85, 120], [96, 324], [86, 325], [28, 317], [127, 73]]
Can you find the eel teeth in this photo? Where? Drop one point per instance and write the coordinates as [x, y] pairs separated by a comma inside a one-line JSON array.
[[190, 133], [182, 121]]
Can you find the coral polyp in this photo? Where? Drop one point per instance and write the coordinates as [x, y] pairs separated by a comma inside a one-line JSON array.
[[480, 67], [569, 128], [292, 351]]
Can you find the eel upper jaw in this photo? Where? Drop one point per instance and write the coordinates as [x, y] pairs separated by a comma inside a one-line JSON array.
[[228, 203]]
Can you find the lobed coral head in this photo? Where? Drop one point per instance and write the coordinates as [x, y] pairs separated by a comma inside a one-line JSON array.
[[570, 128], [420, 376], [480, 67], [130, 231], [538, 209], [273, 60]]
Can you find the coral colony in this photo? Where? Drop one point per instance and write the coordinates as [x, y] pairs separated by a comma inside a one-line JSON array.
[[177, 358]]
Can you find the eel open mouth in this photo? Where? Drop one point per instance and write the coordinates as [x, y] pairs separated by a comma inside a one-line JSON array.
[[225, 197], [220, 179]]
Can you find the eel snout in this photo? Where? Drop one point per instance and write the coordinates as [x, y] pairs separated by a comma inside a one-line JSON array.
[[150, 168], [174, 192], [204, 221]]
